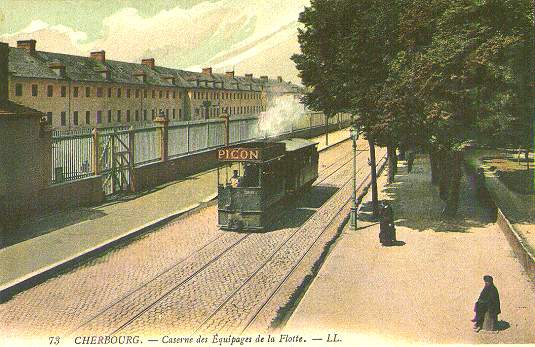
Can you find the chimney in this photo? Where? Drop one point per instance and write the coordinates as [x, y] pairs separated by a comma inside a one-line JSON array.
[[264, 79], [279, 79], [58, 67], [98, 56], [28, 45], [4, 62], [230, 74], [207, 71], [249, 76], [149, 62]]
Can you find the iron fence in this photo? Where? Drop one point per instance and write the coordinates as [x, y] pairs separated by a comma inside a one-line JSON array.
[[73, 150]]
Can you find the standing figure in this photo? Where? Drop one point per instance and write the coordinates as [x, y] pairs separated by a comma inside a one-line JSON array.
[[387, 233], [487, 307], [410, 159], [235, 180]]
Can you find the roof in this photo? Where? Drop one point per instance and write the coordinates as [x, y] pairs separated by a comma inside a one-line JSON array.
[[10, 108], [297, 144], [85, 69]]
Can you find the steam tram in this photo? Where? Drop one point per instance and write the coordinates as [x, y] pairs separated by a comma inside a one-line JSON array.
[[256, 179]]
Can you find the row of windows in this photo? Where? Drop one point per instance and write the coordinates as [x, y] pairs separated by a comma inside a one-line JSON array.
[[226, 95], [99, 92], [215, 111], [99, 119]]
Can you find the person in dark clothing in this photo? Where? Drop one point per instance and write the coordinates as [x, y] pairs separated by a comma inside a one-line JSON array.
[[387, 233], [488, 302], [410, 159]]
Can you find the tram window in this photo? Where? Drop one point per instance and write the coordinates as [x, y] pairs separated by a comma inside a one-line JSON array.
[[248, 175]]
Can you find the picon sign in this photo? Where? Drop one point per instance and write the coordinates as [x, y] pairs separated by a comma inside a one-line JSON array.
[[238, 154]]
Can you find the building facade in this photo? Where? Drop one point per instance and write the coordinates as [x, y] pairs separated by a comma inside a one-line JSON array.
[[75, 91]]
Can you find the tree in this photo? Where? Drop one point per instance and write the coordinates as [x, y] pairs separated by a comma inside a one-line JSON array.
[[345, 48], [463, 60], [433, 74]]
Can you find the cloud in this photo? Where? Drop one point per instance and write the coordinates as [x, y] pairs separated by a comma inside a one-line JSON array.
[[225, 33], [55, 38]]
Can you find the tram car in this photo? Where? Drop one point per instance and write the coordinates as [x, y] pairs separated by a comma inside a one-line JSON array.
[[256, 179]]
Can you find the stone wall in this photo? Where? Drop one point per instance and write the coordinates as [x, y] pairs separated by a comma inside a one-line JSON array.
[[25, 157]]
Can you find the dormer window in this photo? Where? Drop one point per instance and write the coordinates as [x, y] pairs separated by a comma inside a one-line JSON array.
[[169, 79], [58, 68], [141, 76]]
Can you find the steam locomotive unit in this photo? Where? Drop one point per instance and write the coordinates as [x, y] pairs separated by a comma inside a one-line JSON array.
[[256, 179]]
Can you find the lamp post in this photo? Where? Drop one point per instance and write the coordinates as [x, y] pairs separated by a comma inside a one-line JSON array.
[[354, 132]]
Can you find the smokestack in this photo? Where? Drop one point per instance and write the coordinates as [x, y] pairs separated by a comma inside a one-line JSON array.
[[28, 45], [249, 76], [230, 74], [207, 71], [98, 56], [148, 62], [279, 79], [4, 62]]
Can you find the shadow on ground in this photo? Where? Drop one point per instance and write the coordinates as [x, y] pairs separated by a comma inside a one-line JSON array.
[[298, 211], [35, 227], [45, 224], [417, 197]]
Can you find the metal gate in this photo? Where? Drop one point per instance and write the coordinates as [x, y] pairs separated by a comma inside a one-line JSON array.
[[116, 162]]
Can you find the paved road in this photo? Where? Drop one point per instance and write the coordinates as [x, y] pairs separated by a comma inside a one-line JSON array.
[[53, 239], [187, 276]]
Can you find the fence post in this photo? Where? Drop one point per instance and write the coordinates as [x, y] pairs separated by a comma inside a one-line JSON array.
[[163, 125], [226, 124], [131, 158], [94, 158], [187, 137], [207, 135], [310, 124], [47, 151]]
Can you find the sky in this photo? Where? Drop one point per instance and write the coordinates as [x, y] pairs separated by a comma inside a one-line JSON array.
[[249, 36]]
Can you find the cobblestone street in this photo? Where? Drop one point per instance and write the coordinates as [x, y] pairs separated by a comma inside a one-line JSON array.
[[187, 276]]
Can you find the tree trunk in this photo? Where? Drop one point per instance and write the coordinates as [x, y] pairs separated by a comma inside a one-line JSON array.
[[526, 156], [454, 185], [326, 130], [444, 167], [373, 175], [401, 153], [391, 153], [395, 156], [433, 160]]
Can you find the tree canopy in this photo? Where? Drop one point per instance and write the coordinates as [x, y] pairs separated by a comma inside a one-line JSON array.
[[432, 73]]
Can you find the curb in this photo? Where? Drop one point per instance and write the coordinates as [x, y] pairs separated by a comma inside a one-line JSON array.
[[285, 312], [32, 279], [522, 252], [334, 145], [518, 245]]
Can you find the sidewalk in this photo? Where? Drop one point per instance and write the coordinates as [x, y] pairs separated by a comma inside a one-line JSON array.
[[64, 238], [424, 290], [518, 208]]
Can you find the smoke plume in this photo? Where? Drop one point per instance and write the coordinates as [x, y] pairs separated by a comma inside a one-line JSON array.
[[283, 113]]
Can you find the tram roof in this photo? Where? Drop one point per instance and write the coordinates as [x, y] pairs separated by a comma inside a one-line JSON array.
[[296, 144]]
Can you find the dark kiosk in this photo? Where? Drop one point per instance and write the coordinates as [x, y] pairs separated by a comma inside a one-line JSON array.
[[255, 180]]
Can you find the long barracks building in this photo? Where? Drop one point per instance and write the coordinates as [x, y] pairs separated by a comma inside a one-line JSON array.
[[75, 91]]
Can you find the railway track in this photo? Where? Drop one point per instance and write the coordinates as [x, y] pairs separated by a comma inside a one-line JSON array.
[[225, 243], [271, 266]]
